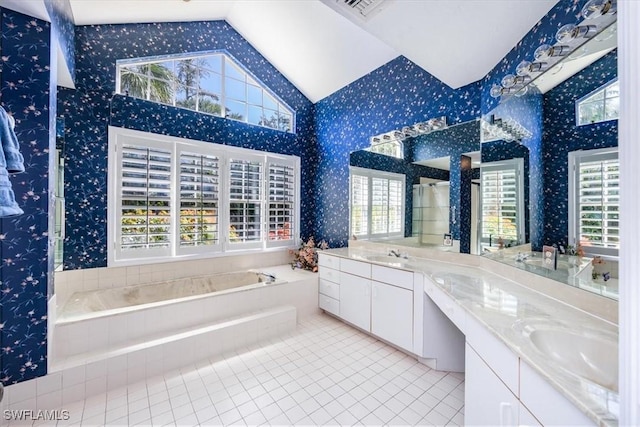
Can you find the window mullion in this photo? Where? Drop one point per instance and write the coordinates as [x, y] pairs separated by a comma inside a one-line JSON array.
[[175, 201]]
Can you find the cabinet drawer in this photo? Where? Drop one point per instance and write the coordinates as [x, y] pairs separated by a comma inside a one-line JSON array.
[[330, 261], [329, 304], [449, 307], [392, 276], [329, 274], [356, 268], [329, 289]]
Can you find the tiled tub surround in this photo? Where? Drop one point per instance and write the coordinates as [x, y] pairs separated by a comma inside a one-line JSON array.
[[495, 309], [70, 281], [102, 302], [81, 336]]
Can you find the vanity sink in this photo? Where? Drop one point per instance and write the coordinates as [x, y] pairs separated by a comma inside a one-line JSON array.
[[537, 262], [591, 357], [389, 259]]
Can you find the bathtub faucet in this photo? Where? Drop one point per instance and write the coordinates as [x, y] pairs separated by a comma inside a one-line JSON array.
[[270, 277]]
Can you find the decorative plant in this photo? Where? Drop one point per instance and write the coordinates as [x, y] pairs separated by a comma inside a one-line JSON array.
[[306, 257]]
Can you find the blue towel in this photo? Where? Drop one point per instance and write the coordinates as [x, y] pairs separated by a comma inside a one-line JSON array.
[[8, 205], [12, 159]]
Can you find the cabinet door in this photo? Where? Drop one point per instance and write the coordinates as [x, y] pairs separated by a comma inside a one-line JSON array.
[[392, 314], [487, 401], [355, 300]]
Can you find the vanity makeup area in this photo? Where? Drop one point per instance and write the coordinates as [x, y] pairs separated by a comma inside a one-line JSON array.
[[538, 346]]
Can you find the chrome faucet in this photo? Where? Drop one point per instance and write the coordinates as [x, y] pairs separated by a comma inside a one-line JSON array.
[[270, 277], [521, 257], [394, 253]]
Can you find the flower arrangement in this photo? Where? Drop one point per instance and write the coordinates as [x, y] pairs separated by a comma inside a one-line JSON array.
[[306, 257]]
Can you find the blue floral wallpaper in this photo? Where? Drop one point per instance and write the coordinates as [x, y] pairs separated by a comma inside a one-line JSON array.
[[368, 160], [24, 84], [395, 95], [63, 28], [561, 136], [88, 111]]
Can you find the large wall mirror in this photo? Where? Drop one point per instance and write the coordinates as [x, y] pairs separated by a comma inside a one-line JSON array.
[[540, 169], [419, 190], [562, 129]]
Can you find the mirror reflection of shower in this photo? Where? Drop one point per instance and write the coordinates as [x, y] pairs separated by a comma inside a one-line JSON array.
[[430, 211]]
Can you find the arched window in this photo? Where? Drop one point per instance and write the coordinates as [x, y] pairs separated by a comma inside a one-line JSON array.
[[208, 82]]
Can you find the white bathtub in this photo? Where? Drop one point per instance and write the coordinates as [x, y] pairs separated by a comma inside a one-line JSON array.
[[102, 302], [111, 320]]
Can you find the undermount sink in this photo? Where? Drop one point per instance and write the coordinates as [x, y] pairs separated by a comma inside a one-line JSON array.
[[389, 259], [538, 262], [591, 357]]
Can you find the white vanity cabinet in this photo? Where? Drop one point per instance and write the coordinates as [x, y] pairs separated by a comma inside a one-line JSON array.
[[392, 306], [329, 283], [355, 300], [375, 298]]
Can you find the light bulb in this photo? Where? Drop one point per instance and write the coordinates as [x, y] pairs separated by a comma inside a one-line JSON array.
[[542, 53], [496, 91], [523, 68], [566, 33], [595, 8], [509, 80]]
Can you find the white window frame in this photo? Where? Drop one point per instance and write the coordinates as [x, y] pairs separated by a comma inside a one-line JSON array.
[[370, 174], [603, 89], [575, 158], [516, 164], [116, 257]]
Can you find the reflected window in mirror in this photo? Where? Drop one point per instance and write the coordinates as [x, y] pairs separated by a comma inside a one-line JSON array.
[[376, 203], [600, 105], [594, 201], [502, 204]]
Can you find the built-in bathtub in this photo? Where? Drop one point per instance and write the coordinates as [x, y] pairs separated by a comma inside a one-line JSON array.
[[96, 322], [104, 302]]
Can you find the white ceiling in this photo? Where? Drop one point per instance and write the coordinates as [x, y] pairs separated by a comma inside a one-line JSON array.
[[321, 51]]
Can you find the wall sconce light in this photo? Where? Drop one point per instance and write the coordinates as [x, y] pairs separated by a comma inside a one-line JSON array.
[[597, 14]]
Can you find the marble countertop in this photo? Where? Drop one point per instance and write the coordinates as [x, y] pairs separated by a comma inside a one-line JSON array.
[[511, 312]]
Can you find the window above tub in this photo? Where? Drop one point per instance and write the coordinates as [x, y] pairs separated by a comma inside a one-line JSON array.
[[174, 198], [207, 82], [600, 105]]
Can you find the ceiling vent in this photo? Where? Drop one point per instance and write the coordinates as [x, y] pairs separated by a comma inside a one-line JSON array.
[[362, 9]]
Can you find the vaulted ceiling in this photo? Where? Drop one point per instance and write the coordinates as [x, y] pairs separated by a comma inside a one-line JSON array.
[[321, 50]]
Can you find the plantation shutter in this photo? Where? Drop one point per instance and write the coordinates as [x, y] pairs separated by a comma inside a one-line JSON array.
[[282, 188], [377, 203], [599, 202], [199, 200], [145, 200], [246, 200], [501, 204], [359, 205]]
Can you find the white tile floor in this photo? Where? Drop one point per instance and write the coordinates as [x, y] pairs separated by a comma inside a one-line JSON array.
[[325, 373]]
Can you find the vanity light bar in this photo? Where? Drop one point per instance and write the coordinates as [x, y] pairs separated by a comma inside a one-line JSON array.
[[417, 129], [596, 14], [508, 130]]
